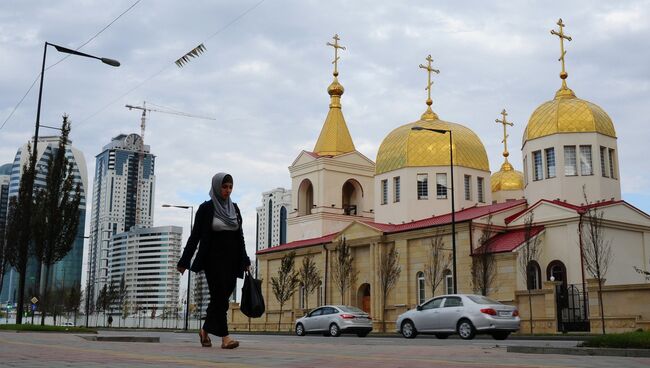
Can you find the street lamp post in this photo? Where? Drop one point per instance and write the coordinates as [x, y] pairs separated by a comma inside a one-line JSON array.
[[32, 163], [453, 209], [189, 273]]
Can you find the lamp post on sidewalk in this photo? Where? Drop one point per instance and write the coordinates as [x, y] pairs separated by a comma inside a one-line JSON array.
[[32, 163], [453, 210], [189, 273]]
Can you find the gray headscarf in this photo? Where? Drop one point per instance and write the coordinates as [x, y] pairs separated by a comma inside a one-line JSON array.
[[224, 209]]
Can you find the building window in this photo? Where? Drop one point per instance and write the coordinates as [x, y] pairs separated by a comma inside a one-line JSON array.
[[420, 286], [302, 297], [384, 191], [549, 153], [537, 166], [533, 276], [525, 171], [570, 164], [396, 189], [283, 225], [468, 188], [585, 160], [441, 186], [603, 161], [269, 224], [423, 186], [449, 282], [479, 188], [612, 169]]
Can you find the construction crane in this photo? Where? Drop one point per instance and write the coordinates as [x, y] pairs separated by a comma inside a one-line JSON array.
[[143, 123]]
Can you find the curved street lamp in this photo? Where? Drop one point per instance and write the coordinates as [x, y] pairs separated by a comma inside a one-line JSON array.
[[453, 211]]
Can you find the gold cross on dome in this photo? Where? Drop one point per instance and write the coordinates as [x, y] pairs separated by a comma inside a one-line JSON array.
[[336, 47], [429, 70], [562, 37], [505, 134]]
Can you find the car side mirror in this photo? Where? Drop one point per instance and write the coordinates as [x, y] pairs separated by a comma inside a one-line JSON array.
[[419, 307]]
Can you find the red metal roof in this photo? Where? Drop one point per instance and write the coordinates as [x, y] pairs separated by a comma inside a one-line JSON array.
[[299, 244], [508, 241], [578, 209]]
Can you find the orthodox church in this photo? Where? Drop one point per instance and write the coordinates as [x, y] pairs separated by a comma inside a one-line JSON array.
[[431, 197]]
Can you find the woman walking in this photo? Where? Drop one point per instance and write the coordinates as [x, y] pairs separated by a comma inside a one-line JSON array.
[[221, 256]]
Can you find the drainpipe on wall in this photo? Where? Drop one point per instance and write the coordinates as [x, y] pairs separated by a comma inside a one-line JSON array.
[[325, 276], [582, 261]]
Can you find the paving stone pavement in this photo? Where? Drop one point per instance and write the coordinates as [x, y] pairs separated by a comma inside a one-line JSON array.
[[55, 350]]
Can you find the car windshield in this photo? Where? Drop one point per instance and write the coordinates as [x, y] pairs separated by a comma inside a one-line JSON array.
[[348, 309], [480, 299]]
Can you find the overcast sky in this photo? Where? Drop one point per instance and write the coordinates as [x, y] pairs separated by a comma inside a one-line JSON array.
[[264, 76]]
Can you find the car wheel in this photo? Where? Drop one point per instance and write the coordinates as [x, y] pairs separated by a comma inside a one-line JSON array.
[[408, 329], [466, 329], [442, 336], [363, 334], [500, 335], [334, 330], [300, 329]]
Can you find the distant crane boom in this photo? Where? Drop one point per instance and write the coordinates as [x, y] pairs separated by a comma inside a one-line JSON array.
[[143, 122]]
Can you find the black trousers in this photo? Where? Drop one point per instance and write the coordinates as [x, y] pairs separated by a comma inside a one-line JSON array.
[[221, 285]]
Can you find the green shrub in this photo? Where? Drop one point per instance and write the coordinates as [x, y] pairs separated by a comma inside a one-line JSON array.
[[39, 328], [627, 340]]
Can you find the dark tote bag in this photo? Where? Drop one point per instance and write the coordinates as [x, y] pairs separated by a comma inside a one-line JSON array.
[[252, 301]]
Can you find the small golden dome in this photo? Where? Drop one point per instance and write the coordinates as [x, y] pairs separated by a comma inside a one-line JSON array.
[[404, 147], [335, 88], [507, 179], [568, 114]]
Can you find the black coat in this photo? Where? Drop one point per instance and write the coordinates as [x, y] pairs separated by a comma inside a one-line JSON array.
[[218, 250]]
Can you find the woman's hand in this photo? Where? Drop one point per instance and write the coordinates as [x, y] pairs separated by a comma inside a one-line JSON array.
[[180, 269]]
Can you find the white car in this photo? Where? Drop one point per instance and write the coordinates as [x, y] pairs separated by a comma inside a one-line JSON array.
[[332, 320], [464, 314]]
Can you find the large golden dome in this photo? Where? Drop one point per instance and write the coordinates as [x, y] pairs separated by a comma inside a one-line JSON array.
[[568, 114], [507, 179], [404, 147]]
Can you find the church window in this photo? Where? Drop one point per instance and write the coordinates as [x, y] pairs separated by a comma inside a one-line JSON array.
[[301, 297], [441, 186], [550, 162], [468, 187], [533, 276], [570, 165], [525, 171], [449, 282], [585, 160], [283, 225], [396, 189], [603, 161], [420, 286], [612, 169], [423, 186], [537, 165], [384, 191], [479, 187]]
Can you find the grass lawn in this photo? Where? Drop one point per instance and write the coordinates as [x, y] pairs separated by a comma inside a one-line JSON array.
[[39, 328], [627, 340]]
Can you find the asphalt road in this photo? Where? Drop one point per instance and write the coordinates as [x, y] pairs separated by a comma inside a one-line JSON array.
[[183, 349]]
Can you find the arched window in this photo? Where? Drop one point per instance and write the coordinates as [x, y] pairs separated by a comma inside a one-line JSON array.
[[533, 276], [305, 198], [449, 282], [283, 225], [420, 287], [269, 224], [557, 270], [352, 194]]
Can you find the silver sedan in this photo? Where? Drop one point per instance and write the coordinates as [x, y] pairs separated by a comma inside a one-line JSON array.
[[464, 314], [332, 320]]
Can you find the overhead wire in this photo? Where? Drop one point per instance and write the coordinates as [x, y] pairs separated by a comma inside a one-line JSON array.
[[168, 65], [65, 57]]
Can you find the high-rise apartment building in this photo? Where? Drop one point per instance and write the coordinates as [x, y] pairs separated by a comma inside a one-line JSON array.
[[147, 257], [272, 218], [116, 199], [67, 272], [5, 173]]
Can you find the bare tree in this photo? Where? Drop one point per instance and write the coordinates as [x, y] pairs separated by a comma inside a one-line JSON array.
[[438, 260], [484, 262], [343, 273], [596, 249], [389, 271], [121, 298], [529, 252], [309, 277], [72, 301], [284, 285]]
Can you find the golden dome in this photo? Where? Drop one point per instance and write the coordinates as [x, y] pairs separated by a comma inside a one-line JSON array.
[[568, 114], [404, 147], [334, 138], [507, 179]]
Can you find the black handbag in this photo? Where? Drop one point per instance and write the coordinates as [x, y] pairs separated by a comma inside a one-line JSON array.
[[252, 301]]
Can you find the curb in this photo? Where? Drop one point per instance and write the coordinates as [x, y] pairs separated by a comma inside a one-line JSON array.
[[122, 338], [637, 353]]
